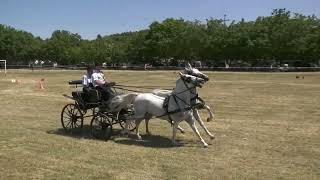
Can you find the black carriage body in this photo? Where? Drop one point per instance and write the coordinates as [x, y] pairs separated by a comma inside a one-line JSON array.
[[87, 99]]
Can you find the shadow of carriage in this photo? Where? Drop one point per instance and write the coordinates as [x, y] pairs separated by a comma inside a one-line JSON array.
[[151, 141]]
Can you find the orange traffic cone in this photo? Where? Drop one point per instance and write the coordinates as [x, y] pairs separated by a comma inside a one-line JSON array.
[[18, 82], [40, 84]]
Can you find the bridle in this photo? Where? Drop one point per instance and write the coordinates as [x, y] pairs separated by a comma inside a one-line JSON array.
[[191, 72], [177, 98]]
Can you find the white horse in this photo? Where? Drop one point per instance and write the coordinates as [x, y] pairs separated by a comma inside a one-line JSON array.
[[165, 93], [119, 102], [147, 105], [194, 72]]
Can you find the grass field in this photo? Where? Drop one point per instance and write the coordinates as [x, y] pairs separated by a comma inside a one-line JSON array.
[[267, 126]]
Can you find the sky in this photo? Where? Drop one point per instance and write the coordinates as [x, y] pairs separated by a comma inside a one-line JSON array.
[[89, 18]]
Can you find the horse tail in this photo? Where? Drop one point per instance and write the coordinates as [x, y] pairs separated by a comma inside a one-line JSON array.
[[131, 97]]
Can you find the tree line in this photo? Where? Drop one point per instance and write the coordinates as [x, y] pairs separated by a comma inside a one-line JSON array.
[[282, 37]]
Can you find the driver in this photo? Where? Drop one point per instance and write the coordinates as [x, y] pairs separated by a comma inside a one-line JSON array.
[[101, 84]]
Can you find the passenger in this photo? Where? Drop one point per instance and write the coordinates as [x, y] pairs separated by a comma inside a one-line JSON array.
[[101, 84], [86, 79]]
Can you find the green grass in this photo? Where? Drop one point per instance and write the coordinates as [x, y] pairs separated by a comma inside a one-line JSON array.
[[267, 126]]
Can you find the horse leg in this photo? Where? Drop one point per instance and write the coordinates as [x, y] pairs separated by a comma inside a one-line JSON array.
[[138, 121], [198, 118], [175, 127], [192, 124], [210, 113], [181, 129], [147, 127], [147, 124], [126, 127]]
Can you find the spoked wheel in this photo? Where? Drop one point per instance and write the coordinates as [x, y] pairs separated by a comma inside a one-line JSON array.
[[122, 116], [94, 111], [101, 127], [83, 111], [71, 117]]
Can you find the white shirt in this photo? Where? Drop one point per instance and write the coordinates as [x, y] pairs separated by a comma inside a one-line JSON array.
[[96, 76], [86, 80]]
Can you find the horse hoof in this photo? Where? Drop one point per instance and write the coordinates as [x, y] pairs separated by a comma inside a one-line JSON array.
[[209, 119], [148, 134], [176, 144], [205, 145], [212, 137], [182, 132], [139, 138]]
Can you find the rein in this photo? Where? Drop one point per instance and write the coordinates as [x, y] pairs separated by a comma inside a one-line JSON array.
[[143, 87], [129, 89], [125, 87]]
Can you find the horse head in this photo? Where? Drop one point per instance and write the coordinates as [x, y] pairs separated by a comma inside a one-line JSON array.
[[195, 72], [193, 80]]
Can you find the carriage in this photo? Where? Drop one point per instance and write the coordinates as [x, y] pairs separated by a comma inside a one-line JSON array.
[[88, 104], [181, 103]]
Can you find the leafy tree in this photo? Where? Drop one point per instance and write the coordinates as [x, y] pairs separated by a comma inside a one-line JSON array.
[[282, 37]]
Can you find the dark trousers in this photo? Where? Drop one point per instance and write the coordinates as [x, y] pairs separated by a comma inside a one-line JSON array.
[[106, 92]]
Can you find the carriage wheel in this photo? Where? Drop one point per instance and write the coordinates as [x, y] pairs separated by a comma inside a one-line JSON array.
[[71, 117], [94, 111], [101, 127], [122, 116]]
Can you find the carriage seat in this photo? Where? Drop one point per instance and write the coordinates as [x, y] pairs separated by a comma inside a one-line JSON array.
[[88, 95], [91, 95], [79, 95]]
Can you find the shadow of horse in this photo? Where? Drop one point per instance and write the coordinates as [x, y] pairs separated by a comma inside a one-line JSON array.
[[151, 141]]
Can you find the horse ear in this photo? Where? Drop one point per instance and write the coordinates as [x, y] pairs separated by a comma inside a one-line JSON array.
[[189, 66]]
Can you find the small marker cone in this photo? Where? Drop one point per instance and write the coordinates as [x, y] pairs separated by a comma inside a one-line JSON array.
[[39, 84], [18, 81]]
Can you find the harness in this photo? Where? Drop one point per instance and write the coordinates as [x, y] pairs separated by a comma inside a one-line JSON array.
[[176, 98]]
